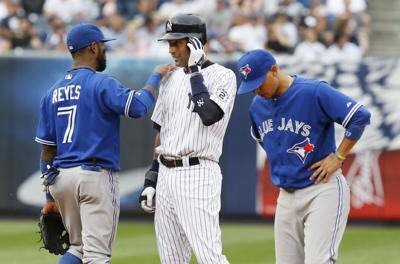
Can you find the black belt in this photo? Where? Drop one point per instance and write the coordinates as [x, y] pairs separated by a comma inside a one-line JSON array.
[[290, 190], [178, 162]]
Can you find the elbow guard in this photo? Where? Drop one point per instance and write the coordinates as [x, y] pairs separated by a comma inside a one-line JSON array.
[[208, 110], [142, 102]]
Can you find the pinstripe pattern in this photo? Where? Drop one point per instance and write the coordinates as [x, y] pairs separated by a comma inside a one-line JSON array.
[[183, 132], [188, 198], [188, 205]]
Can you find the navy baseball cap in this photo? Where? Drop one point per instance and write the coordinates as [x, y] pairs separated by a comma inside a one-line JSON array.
[[82, 35], [253, 66]]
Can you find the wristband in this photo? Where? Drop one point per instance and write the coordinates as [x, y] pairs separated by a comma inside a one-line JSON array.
[[43, 166], [339, 156], [49, 197], [154, 80], [154, 166]]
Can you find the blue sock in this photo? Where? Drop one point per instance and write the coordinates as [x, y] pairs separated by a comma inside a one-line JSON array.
[[69, 258]]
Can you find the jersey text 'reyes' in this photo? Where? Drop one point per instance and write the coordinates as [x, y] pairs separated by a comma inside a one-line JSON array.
[[295, 126], [65, 93]]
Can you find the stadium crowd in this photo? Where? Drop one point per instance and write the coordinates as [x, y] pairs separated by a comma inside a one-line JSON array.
[[308, 29]]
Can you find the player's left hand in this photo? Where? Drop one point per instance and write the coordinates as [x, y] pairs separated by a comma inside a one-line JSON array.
[[147, 199], [326, 168], [197, 54]]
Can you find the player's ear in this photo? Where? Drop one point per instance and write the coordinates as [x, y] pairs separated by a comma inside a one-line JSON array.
[[93, 47]]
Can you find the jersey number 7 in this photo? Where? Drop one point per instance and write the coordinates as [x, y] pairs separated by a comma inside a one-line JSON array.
[[70, 112]]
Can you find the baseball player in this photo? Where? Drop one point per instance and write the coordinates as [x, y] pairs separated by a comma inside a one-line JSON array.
[[191, 116], [293, 120], [79, 133]]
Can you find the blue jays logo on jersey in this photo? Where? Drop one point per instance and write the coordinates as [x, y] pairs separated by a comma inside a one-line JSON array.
[[302, 149], [245, 70]]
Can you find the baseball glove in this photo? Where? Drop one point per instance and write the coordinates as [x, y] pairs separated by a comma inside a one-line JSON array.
[[53, 234]]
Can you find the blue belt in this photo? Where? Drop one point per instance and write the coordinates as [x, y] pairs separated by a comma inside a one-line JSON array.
[[91, 167]]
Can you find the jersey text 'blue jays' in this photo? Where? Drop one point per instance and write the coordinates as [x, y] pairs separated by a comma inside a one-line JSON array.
[[297, 128]]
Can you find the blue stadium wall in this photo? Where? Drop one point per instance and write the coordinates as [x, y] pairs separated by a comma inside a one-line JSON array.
[[24, 80]]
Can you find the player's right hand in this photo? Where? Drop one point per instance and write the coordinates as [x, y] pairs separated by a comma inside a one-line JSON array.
[[164, 69], [147, 199], [50, 207]]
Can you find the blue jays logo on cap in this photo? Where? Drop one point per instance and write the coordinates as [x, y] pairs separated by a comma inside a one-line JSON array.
[[245, 70], [82, 35], [258, 63]]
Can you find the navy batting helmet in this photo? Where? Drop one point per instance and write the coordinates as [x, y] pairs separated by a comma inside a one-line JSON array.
[[185, 26]]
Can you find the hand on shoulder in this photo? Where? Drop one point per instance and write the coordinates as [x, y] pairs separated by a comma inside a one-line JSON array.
[[164, 69]]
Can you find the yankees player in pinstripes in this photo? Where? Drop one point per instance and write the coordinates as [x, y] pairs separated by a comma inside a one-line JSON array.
[[293, 120], [79, 133], [191, 115]]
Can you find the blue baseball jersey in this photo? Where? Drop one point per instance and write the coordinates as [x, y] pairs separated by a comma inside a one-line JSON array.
[[80, 115], [297, 128]]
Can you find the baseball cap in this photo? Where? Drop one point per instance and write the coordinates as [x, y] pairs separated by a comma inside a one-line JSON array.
[[84, 34], [252, 67]]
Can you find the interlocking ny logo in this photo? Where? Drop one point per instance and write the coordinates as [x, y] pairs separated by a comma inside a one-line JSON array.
[[200, 102], [169, 26]]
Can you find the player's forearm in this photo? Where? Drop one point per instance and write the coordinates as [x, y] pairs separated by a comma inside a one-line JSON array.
[[345, 146], [47, 156], [157, 142], [48, 153]]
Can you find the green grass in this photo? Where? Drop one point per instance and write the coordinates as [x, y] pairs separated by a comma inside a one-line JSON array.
[[243, 244]]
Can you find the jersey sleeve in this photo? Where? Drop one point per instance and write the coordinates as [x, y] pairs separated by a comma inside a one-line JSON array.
[[158, 113], [254, 131], [115, 97], [223, 89], [335, 105], [46, 132]]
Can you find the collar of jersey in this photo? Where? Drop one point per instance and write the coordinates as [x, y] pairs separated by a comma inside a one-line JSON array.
[[82, 68], [288, 92]]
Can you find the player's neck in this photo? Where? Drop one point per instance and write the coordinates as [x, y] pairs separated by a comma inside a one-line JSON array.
[[82, 64], [285, 82]]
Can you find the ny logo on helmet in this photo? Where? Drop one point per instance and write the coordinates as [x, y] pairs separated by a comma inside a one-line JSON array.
[[245, 70], [169, 26]]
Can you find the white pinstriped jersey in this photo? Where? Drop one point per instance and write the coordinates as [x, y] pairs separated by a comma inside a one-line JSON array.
[[183, 134]]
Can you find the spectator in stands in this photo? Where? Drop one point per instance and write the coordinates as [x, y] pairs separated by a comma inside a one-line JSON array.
[[282, 34], [33, 6], [25, 36], [343, 50], [71, 11], [248, 32], [115, 29], [147, 36], [56, 36], [310, 49], [127, 8], [175, 7], [246, 8], [219, 21]]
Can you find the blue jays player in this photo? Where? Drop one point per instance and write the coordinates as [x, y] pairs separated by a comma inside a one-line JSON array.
[[293, 120], [79, 132]]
